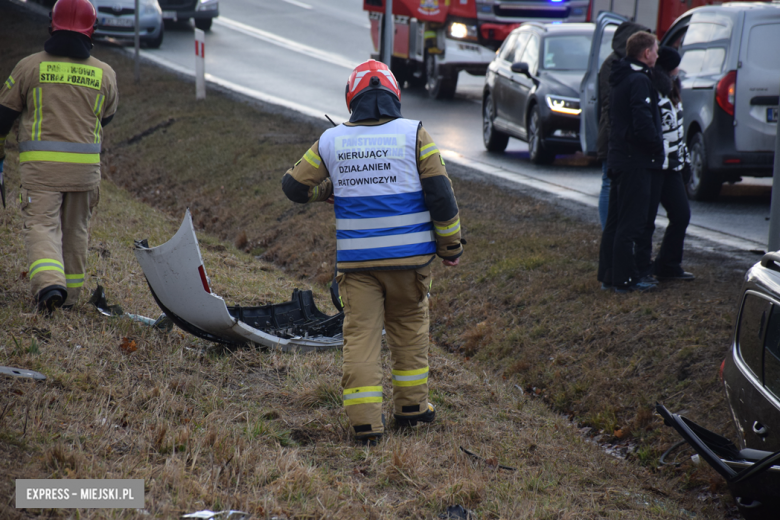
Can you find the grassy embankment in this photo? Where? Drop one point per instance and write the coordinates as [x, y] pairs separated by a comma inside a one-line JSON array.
[[263, 431]]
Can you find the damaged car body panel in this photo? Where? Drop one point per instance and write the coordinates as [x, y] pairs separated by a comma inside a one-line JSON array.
[[753, 476], [177, 278], [751, 371], [751, 380]]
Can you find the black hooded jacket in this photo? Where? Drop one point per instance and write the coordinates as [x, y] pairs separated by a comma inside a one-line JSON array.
[[624, 31], [635, 139]]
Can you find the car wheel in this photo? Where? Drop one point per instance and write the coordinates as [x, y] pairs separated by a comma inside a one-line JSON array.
[[495, 140], [204, 24], [704, 184], [156, 42], [536, 150], [439, 86]]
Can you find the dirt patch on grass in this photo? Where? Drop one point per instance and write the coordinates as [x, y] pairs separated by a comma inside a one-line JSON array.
[[264, 432]]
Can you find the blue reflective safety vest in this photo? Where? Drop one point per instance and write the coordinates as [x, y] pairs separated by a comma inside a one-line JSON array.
[[379, 202]]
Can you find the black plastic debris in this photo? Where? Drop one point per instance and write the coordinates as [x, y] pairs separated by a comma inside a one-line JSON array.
[[457, 512], [98, 299]]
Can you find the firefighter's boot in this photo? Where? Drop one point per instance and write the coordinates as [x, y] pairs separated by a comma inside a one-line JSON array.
[[410, 421], [50, 298]]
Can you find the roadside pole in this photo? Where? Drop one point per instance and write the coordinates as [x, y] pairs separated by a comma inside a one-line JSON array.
[[137, 43], [200, 64], [389, 29], [774, 212]]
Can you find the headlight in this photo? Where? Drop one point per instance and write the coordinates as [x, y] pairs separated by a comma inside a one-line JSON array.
[[207, 5], [461, 31], [149, 7], [564, 105]]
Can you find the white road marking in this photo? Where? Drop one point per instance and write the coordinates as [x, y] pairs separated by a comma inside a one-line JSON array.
[[254, 94], [311, 52], [299, 4]]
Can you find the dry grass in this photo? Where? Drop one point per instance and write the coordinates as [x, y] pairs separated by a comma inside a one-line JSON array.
[[264, 431]]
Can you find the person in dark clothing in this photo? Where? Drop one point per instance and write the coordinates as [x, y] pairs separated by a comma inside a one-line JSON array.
[[668, 188], [623, 32], [636, 151]]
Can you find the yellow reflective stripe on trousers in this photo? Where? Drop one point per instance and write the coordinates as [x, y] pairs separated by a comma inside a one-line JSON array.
[[428, 150], [74, 280], [65, 157], [448, 230], [37, 114], [46, 264], [10, 82], [97, 109], [362, 395], [312, 158], [410, 377]]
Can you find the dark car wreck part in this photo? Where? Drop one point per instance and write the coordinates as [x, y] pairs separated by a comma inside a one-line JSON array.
[[753, 476], [179, 284]]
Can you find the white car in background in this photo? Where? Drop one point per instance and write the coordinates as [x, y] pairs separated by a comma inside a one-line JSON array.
[[116, 19]]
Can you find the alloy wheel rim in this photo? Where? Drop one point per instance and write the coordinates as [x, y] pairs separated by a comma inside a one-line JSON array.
[[533, 138], [696, 167], [487, 122]]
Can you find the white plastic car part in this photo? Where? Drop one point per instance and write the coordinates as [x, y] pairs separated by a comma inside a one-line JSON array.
[[178, 281]]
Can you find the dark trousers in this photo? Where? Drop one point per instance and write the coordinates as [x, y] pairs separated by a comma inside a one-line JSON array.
[[629, 197], [666, 188]]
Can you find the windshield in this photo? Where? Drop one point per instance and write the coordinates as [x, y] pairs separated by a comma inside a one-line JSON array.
[[566, 52]]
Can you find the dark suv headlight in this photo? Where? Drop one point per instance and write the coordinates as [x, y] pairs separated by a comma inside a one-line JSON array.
[[563, 105]]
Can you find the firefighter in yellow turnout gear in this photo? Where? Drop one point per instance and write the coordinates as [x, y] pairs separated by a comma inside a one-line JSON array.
[[395, 211], [64, 97]]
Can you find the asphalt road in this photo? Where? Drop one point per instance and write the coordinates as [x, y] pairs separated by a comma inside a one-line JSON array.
[[300, 53]]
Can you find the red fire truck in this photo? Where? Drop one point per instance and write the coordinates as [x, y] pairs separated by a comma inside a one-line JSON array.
[[435, 39]]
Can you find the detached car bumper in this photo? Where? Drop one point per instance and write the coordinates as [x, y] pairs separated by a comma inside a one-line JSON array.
[[180, 286], [753, 476]]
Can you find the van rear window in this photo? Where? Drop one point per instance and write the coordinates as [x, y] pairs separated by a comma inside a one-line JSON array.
[[704, 32], [763, 46], [703, 61]]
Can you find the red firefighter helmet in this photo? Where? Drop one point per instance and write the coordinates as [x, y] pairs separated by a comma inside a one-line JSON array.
[[74, 15], [362, 79]]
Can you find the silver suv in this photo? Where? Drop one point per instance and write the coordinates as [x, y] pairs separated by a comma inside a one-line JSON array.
[[730, 73]]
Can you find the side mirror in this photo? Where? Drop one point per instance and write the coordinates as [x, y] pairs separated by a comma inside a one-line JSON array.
[[521, 67]]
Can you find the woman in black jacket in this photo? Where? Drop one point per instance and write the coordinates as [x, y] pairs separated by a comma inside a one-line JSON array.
[[668, 188]]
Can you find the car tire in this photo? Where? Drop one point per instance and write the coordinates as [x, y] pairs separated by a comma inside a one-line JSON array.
[[495, 140], [537, 152], [439, 86], [704, 185], [204, 24], [156, 42]]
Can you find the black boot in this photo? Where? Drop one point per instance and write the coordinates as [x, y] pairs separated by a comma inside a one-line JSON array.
[[411, 421], [50, 298]]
